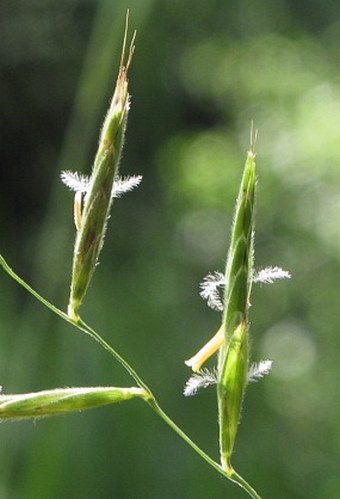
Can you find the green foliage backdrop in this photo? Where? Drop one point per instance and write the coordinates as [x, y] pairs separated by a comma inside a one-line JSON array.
[[202, 71]]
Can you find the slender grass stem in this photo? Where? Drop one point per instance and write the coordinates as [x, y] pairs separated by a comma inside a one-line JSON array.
[[152, 402], [124, 363], [232, 475], [78, 324]]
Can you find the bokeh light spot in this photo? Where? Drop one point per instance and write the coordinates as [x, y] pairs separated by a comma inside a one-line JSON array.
[[292, 349]]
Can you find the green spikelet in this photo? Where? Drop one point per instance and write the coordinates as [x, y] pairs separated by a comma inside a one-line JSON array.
[[239, 268], [233, 356], [231, 388], [98, 199], [63, 400]]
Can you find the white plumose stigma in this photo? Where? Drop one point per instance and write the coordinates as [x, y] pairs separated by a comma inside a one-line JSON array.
[[203, 379], [209, 290], [78, 182], [212, 282], [75, 181], [122, 185], [271, 274], [257, 371]]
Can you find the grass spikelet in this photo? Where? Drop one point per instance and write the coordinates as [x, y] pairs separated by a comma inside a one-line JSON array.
[[98, 197], [63, 400]]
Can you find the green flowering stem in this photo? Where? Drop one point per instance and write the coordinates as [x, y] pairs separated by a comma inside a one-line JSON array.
[[236, 478], [230, 474], [147, 394], [78, 324], [63, 400]]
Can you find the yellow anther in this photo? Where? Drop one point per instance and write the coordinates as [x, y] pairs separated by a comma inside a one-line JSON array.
[[206, 351], [77, 209]]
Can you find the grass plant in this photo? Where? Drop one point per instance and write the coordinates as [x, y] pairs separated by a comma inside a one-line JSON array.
[[93, 201]]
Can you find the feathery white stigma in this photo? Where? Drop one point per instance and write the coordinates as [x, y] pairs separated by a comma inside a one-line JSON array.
[[80, 183], [75, 181], [122, 185], [271, 274], [258, 370], [203, 379], [209, 290]]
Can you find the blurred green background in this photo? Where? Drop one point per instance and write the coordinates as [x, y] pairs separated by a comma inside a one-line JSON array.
[[202, 71]]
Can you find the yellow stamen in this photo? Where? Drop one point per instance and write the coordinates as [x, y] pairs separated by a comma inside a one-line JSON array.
[[77, 209], [206, 351]]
